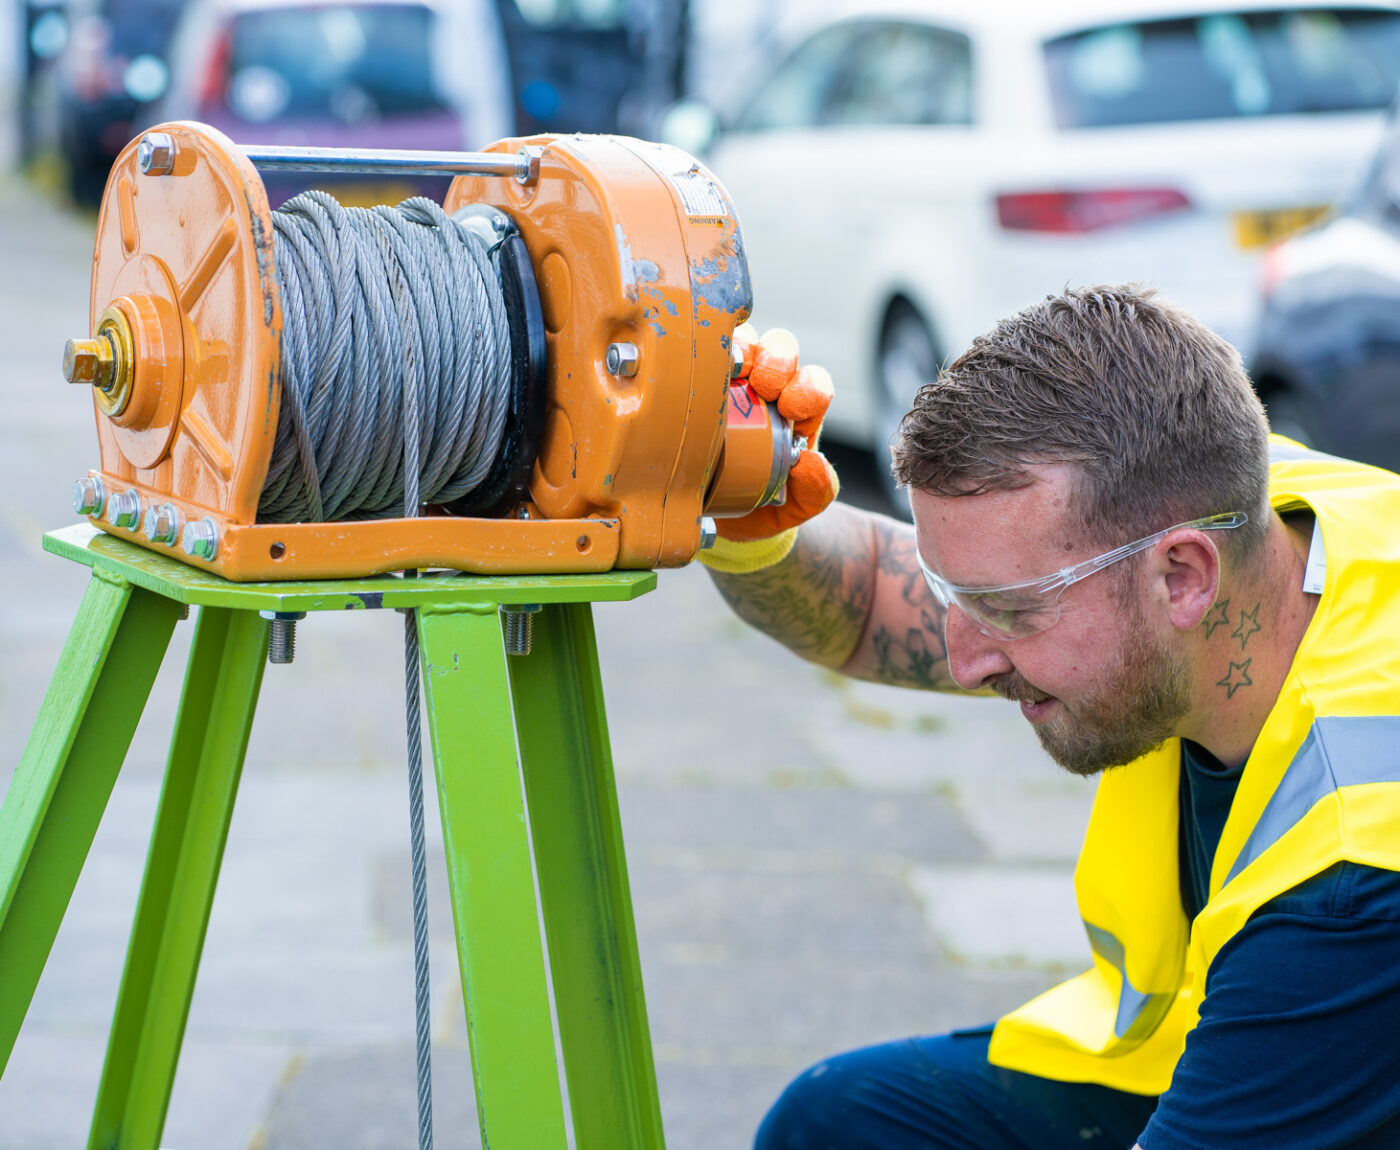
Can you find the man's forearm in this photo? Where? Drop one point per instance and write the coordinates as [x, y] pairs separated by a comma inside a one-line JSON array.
[[850, 596], [817, 600]]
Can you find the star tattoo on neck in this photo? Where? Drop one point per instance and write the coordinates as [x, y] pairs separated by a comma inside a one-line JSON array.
[[1248, 625], [1236, 677], [1219, 617]]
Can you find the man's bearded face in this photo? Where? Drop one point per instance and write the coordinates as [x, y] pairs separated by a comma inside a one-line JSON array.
[[1134, 709]]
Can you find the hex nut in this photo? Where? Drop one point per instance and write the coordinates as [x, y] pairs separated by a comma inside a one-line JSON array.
[[200, 538], [162, 524], [527, 165], [124, 509], [155, 154], [89, 495], [622, 359]]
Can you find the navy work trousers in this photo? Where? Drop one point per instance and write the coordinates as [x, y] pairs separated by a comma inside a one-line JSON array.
[[940, 1093]]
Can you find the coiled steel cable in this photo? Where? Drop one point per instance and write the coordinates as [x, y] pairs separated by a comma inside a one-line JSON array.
[[385, 310], [396, 378]]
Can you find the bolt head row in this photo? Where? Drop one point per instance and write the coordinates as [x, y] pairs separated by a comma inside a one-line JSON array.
[[162, 523]]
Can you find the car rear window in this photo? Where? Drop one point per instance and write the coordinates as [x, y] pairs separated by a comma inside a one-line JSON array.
[[1263, 63], [349, 62]]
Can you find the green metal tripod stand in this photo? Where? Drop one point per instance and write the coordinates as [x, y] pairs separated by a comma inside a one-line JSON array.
[[481, 705]]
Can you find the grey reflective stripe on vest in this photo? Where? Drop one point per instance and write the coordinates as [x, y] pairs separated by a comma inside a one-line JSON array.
[[1296, 452], [1138, 1013], [1336, 753]]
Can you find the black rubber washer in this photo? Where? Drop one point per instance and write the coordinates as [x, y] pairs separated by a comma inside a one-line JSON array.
[[508, 482]]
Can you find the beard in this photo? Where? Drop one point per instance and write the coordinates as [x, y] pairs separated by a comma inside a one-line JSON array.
[[1142, 700]]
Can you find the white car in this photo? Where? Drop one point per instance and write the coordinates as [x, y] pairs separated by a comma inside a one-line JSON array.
[[912, 173]]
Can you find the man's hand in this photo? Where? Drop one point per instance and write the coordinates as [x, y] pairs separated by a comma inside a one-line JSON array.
[[802, 394]]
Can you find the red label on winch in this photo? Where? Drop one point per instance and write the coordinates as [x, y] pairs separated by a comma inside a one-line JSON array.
[[745, 407]]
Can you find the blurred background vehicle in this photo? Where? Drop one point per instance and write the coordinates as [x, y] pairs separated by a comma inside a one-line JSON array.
[[43, 29], [1326, 358], [342, 73], [911, 173], [594, 65], [444, 74], [112, 69]]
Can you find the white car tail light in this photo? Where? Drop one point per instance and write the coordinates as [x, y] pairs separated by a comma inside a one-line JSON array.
[[1085, 211]]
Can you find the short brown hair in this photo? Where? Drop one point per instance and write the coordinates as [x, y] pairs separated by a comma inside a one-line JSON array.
[[1154, 410]]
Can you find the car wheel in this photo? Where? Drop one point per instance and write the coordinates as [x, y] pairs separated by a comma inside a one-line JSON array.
[[908, 358]]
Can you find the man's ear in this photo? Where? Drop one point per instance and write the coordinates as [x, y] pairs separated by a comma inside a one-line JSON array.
[[1185, 569]]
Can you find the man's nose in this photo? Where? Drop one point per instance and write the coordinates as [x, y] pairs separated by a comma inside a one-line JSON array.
[[973, 658]]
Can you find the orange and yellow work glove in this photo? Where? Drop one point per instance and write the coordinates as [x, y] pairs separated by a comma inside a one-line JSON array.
[[802, 394]]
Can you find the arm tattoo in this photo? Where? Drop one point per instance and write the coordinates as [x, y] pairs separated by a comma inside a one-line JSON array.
[[920, 657], [815, 601], [850, 597]]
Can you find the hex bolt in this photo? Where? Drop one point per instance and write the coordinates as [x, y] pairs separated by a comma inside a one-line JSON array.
[[709, 532], [282, 634], [155, 154], [200, 538], [519, 626], [124, 509], [622, 359], [90, 361], [162, 523], [89, 495], [736, 360]]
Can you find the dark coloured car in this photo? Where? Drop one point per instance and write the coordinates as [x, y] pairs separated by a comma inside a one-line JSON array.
[[1327, 356], [114, 67], [413, 74]]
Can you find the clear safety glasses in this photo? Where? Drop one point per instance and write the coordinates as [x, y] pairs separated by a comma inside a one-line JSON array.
[[1016, 610]]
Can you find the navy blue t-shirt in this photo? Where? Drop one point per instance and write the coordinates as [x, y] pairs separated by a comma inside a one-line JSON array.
[[1298, 1046]]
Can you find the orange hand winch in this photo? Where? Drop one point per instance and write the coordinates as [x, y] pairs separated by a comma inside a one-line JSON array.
[[635, 254]]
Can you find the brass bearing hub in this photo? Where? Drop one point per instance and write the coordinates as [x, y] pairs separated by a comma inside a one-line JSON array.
[[105, 361]]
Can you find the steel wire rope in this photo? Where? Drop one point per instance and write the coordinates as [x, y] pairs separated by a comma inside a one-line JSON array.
[[377, 302], [395, 387]]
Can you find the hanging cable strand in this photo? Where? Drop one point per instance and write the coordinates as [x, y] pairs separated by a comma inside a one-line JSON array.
[[376, 303]]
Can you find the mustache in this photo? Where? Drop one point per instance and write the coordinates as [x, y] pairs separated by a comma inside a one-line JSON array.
[[1013, 686]]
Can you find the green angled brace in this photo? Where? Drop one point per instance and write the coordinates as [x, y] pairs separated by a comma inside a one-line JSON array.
[[66, 774], [509, 1024], [582, 870], [212, 725]]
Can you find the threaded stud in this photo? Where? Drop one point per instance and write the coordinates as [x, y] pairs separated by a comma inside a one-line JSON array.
[[519, 624]]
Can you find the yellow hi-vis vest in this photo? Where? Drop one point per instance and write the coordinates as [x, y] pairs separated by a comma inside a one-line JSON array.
[[1321, 785]]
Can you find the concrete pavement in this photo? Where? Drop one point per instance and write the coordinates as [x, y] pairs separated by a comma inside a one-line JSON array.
[[815, 863]]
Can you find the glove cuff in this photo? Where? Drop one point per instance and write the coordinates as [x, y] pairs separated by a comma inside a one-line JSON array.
[[735, 557]]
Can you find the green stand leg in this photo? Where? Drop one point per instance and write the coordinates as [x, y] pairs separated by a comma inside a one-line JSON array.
[[61, 787], [582, 872], [65, 777], [196, 805], [519, 1101]]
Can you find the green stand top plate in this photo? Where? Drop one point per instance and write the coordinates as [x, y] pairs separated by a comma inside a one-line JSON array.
[[449, 590]]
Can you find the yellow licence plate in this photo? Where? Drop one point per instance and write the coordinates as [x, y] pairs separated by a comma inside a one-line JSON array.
[[372, 193], [1255, 229]]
